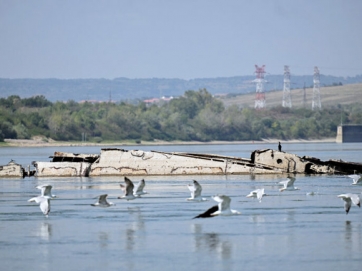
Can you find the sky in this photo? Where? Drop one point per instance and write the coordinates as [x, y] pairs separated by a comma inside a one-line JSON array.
[[185, 39]]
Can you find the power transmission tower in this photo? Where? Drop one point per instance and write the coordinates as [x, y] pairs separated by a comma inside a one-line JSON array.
[[259, 80], [316, 102], [287, 99]]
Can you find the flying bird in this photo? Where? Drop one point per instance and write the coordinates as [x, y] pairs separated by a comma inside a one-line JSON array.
[[127, 189], [138, 189], [356, 178], [257, 193], [222, 209], [102, 201], [44, 203], [288, 185], [46, 190], [44, 199], [195, 189], [348, 199]]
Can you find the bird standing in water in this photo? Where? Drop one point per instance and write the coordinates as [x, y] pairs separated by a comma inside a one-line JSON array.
[[279, 147]]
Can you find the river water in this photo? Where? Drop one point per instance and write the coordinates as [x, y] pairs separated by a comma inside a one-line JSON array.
[[286, 231]]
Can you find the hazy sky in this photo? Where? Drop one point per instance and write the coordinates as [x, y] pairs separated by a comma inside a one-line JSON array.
[[184, 39]]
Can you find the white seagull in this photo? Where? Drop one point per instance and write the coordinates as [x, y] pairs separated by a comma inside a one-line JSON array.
[[195, 189], [44, 199], [102, 201], [257, 193], [46, 190], [288, 185], [44, 204], [138, 189], [356, 178], [128, 190], [348, 199], [223, 208]]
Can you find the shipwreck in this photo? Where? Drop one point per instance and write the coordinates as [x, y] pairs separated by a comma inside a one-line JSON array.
[[121, 162], [11, 170]]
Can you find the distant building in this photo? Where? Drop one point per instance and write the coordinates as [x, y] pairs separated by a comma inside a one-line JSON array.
[[157, 100], [349, 133]]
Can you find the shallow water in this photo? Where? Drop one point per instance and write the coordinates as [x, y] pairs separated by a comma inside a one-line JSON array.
[[286, 231]]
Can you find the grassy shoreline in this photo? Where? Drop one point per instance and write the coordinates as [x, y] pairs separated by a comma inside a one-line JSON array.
[[53, 143]]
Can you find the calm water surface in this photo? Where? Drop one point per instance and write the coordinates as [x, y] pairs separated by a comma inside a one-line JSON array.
[[286, 231]]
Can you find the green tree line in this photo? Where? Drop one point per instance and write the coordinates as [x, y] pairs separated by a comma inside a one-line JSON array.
[[197, 115]]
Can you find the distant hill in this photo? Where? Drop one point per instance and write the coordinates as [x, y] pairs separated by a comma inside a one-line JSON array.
[[329, 95], [124, 89]]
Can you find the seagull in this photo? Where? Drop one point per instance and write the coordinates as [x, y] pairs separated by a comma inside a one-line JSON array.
[[288, 185], [102, 201], [258, 193], [46, 190], [44, 199], [128, 190], [138, 189], [356, 178], [223, 208], [348, 199], [195, 189], [44, 203]]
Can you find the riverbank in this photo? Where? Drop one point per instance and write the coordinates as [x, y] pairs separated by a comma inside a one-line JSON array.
[[45, 142]]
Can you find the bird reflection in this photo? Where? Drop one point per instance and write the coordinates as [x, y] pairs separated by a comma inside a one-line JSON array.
[[86, 184], [134, 228], [197, 230], [45, 231], [103, 239], [256, 218], [348, 232], [211, 241], [139, 223], [130, 243], [130, 234], [290, 216], [352, 236]]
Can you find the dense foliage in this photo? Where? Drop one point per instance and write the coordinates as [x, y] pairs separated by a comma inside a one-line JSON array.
[[194, 116]]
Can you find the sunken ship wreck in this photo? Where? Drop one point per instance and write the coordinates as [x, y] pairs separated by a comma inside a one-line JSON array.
[[120, 162]]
